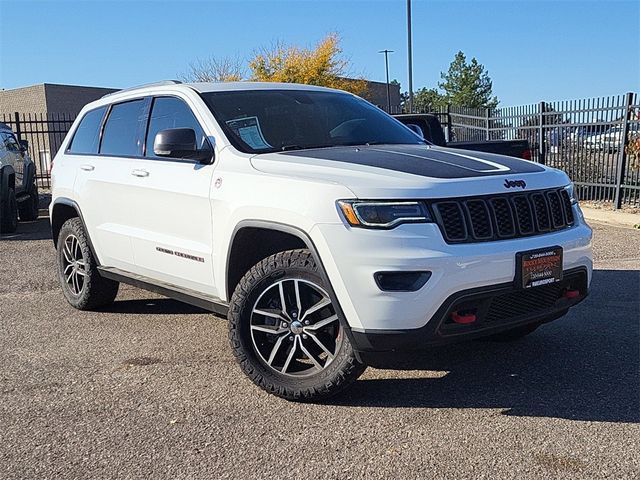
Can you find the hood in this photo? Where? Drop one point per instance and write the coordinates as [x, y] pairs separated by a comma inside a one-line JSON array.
[[411, 171]]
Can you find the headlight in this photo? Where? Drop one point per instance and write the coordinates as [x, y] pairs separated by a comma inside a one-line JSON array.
[[383, 214], [571, 191]]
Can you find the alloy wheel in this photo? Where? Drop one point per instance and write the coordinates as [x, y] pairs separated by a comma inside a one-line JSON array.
[[294, 328], [73, 264]]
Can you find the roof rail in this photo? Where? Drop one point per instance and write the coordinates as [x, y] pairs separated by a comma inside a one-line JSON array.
[[153, 84]]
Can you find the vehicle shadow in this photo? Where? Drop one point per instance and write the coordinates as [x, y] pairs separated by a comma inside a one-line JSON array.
[[584, 366], [153, 306], [36, 230]]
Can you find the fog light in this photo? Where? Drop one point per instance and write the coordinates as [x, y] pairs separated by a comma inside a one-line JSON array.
[[401, 281]]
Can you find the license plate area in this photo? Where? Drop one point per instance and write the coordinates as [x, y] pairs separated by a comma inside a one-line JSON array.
[[538, 267]]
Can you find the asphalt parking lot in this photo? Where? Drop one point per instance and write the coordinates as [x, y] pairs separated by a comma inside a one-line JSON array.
[[148, 388]]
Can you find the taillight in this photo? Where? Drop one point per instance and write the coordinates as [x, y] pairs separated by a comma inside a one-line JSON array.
[[526, 154]]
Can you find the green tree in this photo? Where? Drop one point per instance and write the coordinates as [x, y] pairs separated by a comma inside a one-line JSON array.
[[427, 99], [467, 84]]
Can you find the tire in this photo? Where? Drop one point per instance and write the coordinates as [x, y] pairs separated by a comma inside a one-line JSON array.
[[290, 362], [28, 209], [513, 334], [81, 283], [9, 217]]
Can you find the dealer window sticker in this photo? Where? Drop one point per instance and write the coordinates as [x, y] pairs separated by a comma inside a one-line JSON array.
[[248, 129]]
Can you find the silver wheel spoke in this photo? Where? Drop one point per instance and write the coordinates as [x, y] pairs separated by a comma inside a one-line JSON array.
[[283, 304], [66, 269], [321, 304], [298, 302], [275, 349], [322, 323], [67, 253], [294, 347], [309, 356], [321, 345], [266, 329], [76, 287], [270, 314]]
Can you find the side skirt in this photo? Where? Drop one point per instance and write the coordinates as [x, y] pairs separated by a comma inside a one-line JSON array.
[[208, 302]]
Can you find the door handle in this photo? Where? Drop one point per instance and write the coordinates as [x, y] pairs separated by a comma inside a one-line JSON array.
[[87, 168], [139, 173]]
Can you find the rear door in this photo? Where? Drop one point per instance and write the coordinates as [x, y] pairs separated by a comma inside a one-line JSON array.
[[172, 237], [104, 185]]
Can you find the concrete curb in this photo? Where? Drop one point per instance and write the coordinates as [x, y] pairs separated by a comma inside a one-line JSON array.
[[612, 217]]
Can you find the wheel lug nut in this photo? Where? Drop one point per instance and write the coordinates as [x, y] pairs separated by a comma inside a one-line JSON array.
[[291, 337], [284, 325], [294, 314], [306, 322], [304, 336]]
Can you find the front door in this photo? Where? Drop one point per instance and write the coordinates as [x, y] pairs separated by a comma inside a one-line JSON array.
[[172, 237]]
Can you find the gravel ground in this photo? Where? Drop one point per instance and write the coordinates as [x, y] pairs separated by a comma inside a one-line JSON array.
[[148, 388]]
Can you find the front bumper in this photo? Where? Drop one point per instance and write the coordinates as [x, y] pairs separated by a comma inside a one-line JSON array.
[[351, 257], [498, 308]]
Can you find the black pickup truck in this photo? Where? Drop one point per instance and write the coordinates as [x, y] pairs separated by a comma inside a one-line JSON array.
[[430, 128]]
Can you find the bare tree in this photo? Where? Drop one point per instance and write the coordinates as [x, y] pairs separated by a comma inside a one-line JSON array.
[[212, 69]]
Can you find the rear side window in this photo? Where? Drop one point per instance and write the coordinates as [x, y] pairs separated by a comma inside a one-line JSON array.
[[171, 112], [10, 142], [123, 131], [87, 135]]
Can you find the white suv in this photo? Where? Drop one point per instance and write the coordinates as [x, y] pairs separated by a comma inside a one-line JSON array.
[[326, 230]]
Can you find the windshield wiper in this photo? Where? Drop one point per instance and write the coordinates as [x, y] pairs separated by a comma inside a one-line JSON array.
[[284, 148]]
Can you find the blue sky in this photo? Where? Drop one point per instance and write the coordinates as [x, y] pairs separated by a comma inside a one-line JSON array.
[[534, 50]]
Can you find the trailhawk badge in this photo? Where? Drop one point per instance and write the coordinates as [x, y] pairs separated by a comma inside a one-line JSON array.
[[515, 183]]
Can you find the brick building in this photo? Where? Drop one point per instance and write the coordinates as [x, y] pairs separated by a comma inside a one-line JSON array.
[[42, 114]]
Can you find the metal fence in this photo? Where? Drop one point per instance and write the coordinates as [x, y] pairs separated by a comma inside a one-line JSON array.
[[596, 141], [45, 133]]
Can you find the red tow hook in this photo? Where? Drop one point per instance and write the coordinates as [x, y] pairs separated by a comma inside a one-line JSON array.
[[571, 294], [463, 319]]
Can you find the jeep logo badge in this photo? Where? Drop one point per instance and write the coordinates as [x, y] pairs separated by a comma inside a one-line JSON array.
[[514, 183]]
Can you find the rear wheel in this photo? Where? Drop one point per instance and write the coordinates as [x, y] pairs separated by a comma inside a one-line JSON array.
[[9, 214], [82, 285], [286, 333]]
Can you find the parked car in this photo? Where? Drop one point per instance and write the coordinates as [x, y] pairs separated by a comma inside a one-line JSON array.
[[429, 127], [610, 140], [326, 231], [18, 186]]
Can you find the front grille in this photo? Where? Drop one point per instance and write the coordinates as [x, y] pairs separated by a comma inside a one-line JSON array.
[[504, 216]]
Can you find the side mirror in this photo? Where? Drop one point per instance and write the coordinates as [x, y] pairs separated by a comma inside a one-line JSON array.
[[181, 143], [24, 145], [415, 129]]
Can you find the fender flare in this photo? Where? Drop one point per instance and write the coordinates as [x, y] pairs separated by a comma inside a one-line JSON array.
[[29, 177], [73, 204], [306, 239]]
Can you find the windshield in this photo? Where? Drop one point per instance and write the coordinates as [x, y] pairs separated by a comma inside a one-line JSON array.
[[260, 121]]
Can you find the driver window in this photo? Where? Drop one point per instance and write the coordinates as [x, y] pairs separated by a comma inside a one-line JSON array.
[[171, 112]]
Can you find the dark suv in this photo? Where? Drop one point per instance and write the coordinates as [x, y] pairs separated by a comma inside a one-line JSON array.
[[18, 187]]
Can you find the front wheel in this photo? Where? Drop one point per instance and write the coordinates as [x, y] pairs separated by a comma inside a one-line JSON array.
[[286, 333]]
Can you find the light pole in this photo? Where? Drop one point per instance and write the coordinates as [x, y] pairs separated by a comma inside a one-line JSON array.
[[409, 56], [386, 64]]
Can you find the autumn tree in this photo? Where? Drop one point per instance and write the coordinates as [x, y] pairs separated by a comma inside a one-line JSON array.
[[321, 65], [467, 84]]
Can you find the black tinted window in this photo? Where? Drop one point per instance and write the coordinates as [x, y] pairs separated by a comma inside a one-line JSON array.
[[259, 121], [123, 130], [87, 135], [171, 112], [10, 142]]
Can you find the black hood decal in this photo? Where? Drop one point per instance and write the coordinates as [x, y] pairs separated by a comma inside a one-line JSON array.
[[423, 160]]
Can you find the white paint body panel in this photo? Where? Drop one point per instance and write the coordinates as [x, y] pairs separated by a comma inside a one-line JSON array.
[[195, 209]]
